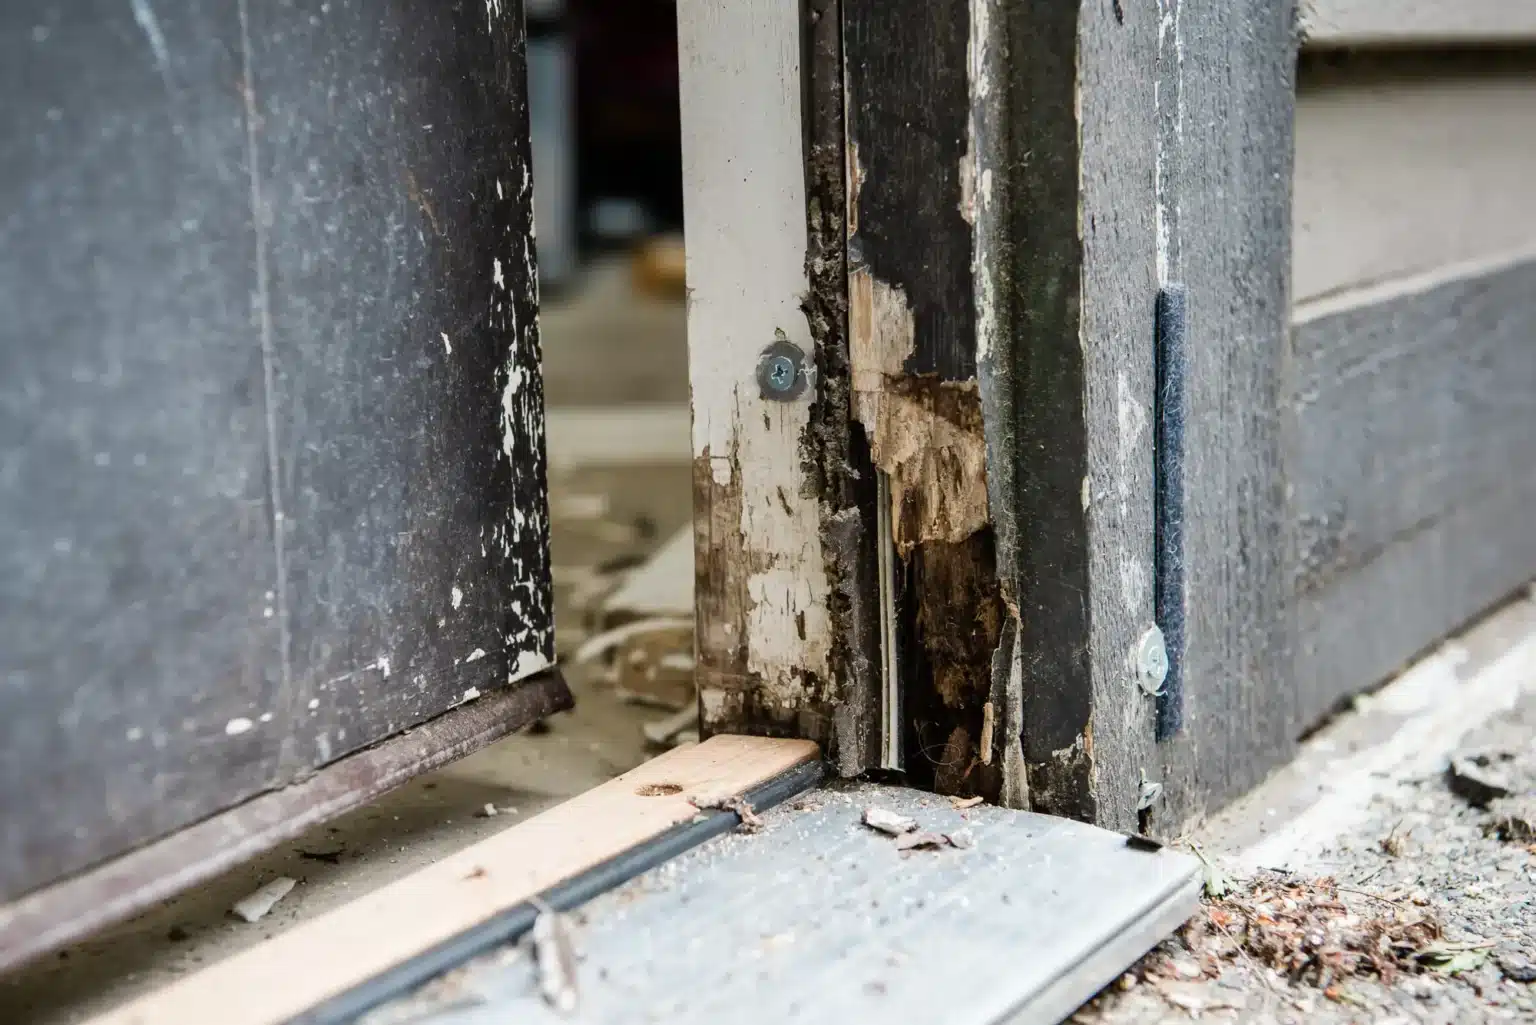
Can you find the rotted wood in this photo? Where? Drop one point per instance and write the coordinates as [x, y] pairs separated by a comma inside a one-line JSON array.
[[837, 451], [1023, 179], [1069, 375], [912, 193]]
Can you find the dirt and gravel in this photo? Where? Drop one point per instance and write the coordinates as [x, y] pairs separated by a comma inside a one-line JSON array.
[[1423, 910]]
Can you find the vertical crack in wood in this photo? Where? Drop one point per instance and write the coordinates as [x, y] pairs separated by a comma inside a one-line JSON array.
[[836, 459]]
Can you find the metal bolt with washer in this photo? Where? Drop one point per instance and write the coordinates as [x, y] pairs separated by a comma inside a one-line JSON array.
[[1150, 660]]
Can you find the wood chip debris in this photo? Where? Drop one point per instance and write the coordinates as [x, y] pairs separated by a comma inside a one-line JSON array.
[[908, 837], [961, 839], [888, 822], [555, 957], [598, 645], [1303, 930], [254, 906], [751, 822], [962, 803], [666, 732], [916, 839]]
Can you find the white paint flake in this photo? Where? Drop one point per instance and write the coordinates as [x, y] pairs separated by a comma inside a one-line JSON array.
[[237, 726], [456, 596], [475, 656], [497, 278], [144, 15], [447, 345], [528, 663]]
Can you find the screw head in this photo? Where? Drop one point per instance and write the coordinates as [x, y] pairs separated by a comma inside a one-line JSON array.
[[1150, 660], [781, 371]]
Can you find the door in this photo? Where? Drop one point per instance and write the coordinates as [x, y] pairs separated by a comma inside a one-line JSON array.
[[272, 479]]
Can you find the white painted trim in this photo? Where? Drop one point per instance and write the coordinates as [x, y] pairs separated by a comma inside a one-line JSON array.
[[745, 231]]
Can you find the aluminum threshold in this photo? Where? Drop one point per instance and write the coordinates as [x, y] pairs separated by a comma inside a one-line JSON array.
[[818, 919]]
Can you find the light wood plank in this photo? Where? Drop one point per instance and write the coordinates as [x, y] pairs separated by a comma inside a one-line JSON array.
[[324, 957]]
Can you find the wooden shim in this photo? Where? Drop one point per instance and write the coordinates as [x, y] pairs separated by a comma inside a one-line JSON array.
[[1409, 162], [273, 982], [1411, 473], [1340, 23], [764, 633], [1226, 209], [74, 908]]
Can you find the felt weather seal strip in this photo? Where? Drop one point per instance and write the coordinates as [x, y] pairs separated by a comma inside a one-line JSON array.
[[1172, 330], [511, 924]]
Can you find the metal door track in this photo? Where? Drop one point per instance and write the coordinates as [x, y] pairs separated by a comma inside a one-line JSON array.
[[818, 918]]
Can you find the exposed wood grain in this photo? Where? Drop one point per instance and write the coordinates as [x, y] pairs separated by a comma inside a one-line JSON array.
[[271, 371], [1409, 162], [330, 954], [1339, 23], [764, 632], [51, 917], [1227, 203], [912, 197], [1412, 473]]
